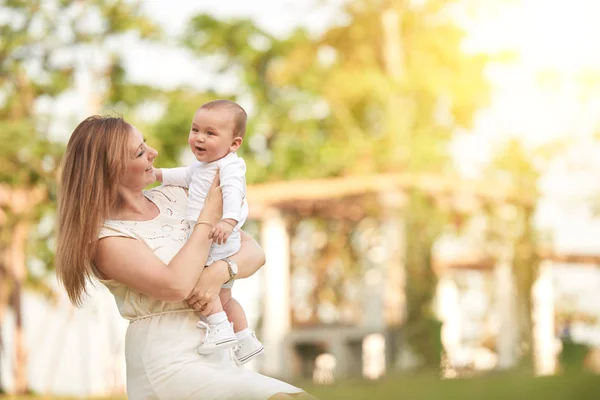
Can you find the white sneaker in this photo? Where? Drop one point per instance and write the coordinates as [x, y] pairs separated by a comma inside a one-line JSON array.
[[219, 336], [248, 348]]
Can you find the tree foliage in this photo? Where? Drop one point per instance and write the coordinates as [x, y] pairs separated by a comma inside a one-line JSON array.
[[335, 101], [40, 58]]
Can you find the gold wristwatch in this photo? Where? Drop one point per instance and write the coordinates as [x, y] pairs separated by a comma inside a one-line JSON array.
[[232, 267]]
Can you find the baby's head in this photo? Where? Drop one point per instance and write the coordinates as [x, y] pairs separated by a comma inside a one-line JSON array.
[[218, 128]]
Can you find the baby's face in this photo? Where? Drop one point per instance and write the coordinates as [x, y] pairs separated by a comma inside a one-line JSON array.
[[211, 135]]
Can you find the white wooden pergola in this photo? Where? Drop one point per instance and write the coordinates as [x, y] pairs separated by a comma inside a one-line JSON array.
[[268, 203], [543, 307]]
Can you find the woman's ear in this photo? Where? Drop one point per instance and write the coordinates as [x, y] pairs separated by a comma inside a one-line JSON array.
[[235, 145]]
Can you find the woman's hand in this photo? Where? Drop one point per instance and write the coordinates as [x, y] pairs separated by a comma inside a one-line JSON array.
[[208, 286], [249, 259], [212, 211]]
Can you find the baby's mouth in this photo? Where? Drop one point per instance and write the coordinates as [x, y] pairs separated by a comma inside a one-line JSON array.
[[200, 148]]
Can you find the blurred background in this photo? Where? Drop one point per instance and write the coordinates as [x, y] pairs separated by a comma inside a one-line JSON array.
[[422, 176]]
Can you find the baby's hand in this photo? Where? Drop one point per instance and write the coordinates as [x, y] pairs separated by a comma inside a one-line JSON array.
[[221, 232], [158, 174]]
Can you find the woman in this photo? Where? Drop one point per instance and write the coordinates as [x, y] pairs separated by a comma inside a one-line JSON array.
[[138, 244]]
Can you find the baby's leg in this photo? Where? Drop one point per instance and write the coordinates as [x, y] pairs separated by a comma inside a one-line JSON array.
[[248, 345], [233, 309], [218, 331], [212, 308], [214, 313]]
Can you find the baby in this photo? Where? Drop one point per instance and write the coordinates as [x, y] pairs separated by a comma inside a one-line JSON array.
[[217, 132]]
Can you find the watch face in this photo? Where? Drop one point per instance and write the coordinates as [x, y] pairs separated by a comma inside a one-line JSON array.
[[233, 266]]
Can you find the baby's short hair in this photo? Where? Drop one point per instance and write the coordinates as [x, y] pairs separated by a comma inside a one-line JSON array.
[[239, 114]]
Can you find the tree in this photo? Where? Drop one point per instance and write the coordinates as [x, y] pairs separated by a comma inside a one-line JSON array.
[[39, 57]]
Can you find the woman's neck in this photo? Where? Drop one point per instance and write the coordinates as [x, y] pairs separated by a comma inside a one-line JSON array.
[[133, 206]]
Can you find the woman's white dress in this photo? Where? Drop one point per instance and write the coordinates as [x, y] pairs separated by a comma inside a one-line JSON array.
[[162, 338]]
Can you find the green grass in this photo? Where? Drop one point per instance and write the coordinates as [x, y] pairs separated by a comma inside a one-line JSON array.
[[430, 387], [424, 387]]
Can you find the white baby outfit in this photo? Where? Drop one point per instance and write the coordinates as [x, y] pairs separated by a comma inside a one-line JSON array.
[[197, 178], [162, 338]]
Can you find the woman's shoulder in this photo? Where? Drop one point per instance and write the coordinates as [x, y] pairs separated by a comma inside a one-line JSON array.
[[168, 194], [115, 228]]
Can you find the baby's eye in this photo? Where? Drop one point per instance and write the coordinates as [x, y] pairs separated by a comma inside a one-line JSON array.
[[210, 133], [194, 130]]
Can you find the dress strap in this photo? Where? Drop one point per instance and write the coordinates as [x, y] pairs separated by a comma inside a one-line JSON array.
[[182, 310]]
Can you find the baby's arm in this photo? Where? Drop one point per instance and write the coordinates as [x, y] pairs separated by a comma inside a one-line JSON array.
[[181, 176], [233, 185]]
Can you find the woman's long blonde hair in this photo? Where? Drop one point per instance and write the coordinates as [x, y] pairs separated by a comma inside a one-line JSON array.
[[93, 164]]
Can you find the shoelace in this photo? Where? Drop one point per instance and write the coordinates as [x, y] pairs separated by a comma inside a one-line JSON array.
[[206, 328]]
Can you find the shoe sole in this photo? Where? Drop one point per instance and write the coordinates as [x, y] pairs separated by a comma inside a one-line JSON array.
[[219, 345], [251, 355]]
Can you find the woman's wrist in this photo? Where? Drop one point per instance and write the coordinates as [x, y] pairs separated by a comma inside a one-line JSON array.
[[208, 218], [206, 223]]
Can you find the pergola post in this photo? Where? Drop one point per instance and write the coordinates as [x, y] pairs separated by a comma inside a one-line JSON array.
[[506, 342], [393, 203], [276, 316], [544, 341]]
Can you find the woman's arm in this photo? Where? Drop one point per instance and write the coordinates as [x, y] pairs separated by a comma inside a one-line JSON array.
[[249, 259], [131, 263]]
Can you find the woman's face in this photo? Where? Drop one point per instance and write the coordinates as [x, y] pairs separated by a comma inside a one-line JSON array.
[[139, 165]]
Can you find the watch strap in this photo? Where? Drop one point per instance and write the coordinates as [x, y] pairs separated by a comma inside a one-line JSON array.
[[230, 270]]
